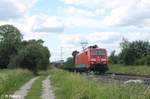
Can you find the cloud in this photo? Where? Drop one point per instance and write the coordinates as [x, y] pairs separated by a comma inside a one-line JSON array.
[[33, 35], [48, 24], [13, 9], [71, 10], [119, 13], [81, 21], [37, 26]]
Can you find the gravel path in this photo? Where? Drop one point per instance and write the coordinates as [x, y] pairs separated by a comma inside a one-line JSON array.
[[22, 92], [47, 89]]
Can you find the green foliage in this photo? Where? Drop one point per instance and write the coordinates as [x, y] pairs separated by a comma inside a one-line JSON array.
[[75, 86], [16, 53], [143, 61], [113, 59], [69, 62], [131, 52], [10, 40], [32, 56], [74, 53]]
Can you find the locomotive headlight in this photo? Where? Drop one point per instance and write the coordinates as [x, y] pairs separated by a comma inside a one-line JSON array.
[[92, 62], [93, 59], [103, 59]]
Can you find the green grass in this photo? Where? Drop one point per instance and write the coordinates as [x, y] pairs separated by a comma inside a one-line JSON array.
[[11, 80], [135, 70], [74, 86], [36, 89]]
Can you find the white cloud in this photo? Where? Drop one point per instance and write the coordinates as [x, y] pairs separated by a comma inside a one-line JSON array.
[[146, 23], [47, 24], [80, 21], [13, 9], [32, 35], [71, 10], [36, 26], [119, 12]]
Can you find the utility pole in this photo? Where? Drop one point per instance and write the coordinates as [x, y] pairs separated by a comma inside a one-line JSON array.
[[61, 56], [61, 53], [83, 44]]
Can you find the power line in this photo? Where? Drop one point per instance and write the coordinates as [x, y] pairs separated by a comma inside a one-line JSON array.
[[61, 53], [84, 44]]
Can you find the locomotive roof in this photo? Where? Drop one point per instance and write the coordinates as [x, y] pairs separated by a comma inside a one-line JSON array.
[[92, 48], [86, 49]]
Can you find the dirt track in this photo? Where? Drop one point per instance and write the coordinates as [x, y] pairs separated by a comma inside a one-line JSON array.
[[45, 94]]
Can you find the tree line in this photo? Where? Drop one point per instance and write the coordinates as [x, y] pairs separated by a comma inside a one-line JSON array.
[[132, 53], [18, 53]]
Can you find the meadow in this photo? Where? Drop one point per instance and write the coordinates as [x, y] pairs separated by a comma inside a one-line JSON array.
[[133, 70], [68, 85], [11, 80]]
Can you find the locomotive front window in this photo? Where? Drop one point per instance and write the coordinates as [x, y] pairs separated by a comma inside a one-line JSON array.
[[98, 52], [93, 52], [101, 52]]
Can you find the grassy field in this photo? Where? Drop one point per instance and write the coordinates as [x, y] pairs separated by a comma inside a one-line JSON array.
[[11, 80], [136, 70], [74, 86]]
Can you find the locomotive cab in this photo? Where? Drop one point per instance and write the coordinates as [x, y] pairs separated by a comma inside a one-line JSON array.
[[98, 59], [92, 59]]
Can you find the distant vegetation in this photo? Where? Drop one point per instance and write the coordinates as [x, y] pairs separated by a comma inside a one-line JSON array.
[[18, 53], [132, 53], [70, 62]]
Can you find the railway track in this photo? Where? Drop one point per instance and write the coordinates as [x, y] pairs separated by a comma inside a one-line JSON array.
[[122, 78]]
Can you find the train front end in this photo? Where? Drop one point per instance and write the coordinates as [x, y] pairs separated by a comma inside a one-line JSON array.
[[98, 59]]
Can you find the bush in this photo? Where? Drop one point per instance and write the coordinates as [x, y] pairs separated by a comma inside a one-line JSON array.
[[143, 61]]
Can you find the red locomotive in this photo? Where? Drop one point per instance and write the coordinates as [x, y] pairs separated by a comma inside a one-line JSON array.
[[92, 59]]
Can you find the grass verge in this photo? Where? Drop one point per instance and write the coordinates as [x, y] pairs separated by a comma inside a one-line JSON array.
[[135, 70], [11, 80], [36, 89], [74, 86]]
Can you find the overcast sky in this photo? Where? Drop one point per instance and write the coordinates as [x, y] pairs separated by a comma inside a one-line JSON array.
[[66, 23]]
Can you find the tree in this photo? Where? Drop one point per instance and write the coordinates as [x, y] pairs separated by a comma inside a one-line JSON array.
[[69, 63], [113, 58], [10, 40], [133, 51], [74, 53], [33, 56]]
